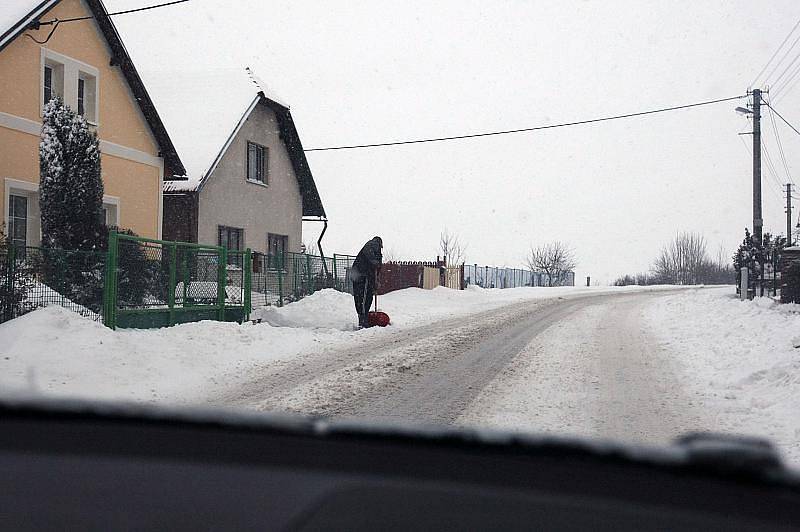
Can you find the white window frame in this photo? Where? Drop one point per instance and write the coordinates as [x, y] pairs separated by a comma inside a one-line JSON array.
[[265, 159], [19, 187], [72, 70], [16, 186], [114, 201]]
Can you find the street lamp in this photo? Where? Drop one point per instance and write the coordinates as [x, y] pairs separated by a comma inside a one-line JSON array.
[[743, 110]]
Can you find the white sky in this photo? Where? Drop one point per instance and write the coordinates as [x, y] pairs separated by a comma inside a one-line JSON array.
[[383, 71]]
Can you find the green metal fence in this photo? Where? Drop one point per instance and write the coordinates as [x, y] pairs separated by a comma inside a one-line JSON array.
[[286, 277], [33, 277], [146, 283], [154, 283]]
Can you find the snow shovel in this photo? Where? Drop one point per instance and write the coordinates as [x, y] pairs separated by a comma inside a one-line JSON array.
[[376, 317]]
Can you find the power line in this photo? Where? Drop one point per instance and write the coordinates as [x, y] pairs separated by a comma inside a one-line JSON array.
[[782, 118], [136, 10], [780, 145], [782, 59], [788, 67], [787, 85], [35, 25], [775, 53], [771, 169], [772, 172], [526, 129]]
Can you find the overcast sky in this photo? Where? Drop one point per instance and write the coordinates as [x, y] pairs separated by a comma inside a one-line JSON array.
[[383, 71]]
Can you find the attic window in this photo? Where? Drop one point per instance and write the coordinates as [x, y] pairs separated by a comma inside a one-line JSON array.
[[74, 81], [257, 163], [52, 82], [87, 97]]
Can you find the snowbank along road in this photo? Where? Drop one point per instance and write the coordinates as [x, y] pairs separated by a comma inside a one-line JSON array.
[[576, 364]]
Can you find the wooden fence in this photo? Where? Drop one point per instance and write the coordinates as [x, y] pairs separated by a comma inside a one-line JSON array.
[[419, 274]]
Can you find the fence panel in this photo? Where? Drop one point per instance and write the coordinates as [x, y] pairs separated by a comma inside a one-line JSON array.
[[454, 277], [430, 277], [493, 277], [342, 264], [33, 277], [287, 277], [154, 283], [309, 273], [268, 280]]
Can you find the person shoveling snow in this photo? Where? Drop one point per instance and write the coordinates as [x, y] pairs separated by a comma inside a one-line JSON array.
[[364, 274]]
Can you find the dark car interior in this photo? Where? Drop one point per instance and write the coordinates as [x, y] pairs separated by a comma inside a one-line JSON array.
[[84, 466]]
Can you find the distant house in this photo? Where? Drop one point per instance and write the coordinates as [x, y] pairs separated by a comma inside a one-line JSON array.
[[85, 63], [250, 189]]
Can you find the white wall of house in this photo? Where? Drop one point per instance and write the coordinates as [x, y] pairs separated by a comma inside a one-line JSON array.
[[228, 198]]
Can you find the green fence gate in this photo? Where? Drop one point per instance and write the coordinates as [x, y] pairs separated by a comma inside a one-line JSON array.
[[154, 283]]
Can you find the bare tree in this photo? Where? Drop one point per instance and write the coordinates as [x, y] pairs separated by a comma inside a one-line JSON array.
[[682, 261], [685, 261], [310, 248], [554, 259], [389, 254], [453, 252]]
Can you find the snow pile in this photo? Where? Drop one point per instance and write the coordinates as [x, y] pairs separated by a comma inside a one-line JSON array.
[[53, 350], [741, 360], [41, 295], [326, 309]]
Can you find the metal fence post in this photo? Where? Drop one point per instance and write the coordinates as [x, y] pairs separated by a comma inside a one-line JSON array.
[[310, 281], [248, 270], [60, 282], [222, 281], [110, 285], [8, 310], [335, 275], [185, 276], [107, 287], [173, 259], [280, 260]]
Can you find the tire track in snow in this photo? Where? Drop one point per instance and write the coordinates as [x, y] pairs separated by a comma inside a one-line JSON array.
[[598, 374]]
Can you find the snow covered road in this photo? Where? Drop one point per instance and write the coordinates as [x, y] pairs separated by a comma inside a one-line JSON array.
[[425, 374], [580, 364], [630, 366], [597, 373]]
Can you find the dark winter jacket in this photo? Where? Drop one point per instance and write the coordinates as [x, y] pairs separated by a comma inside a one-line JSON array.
[[368, 260]]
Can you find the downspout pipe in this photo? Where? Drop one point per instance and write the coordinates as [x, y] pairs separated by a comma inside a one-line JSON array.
[[319, 240], [319, 246]]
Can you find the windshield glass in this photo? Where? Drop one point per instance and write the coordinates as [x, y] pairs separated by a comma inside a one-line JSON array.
[[572, 218]]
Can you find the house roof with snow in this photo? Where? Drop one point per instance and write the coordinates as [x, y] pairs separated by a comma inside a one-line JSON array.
[[206, 119], [18, 15]]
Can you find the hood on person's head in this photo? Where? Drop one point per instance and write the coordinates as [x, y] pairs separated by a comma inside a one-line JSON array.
[[379, 241]]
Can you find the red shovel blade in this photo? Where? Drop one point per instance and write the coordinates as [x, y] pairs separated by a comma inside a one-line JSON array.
[[381, 319]]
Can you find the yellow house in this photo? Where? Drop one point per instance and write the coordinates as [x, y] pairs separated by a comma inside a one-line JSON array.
[[84, 62]]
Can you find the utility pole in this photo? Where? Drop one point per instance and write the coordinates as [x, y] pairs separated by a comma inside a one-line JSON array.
[[758, 221], [788, 214]]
